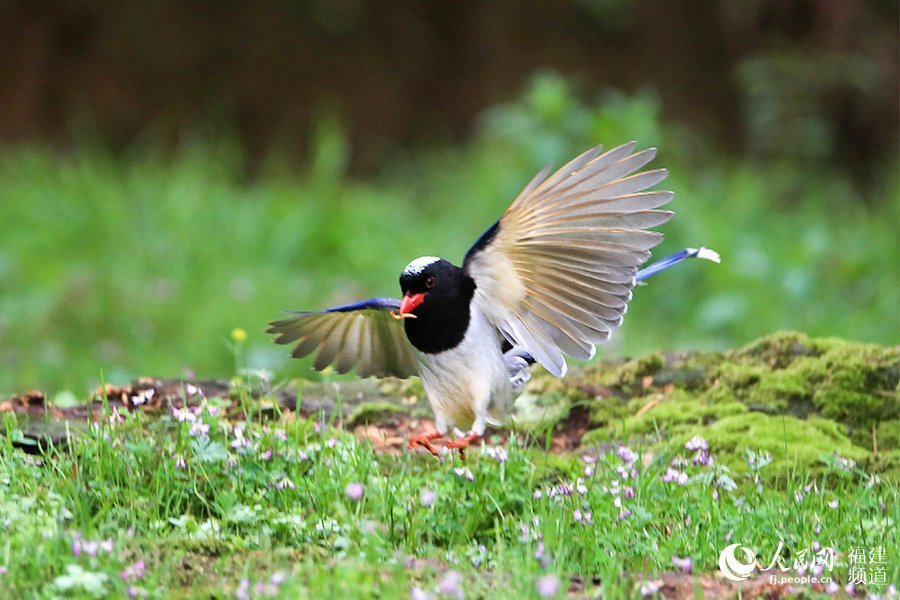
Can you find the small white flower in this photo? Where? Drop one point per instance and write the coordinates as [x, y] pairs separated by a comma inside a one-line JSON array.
[[465, 473]]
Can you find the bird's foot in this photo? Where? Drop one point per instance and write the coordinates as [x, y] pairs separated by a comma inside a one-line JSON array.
[[462, 443], [423, 440]]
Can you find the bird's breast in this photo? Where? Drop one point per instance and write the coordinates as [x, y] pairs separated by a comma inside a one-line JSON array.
[[464, 379]]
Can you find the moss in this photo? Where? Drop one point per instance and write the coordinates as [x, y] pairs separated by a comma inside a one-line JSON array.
[[833, 393], [887, 435], [886, 464], [678, 410], [373, 412], [535, 412], [791, 442], [628, 376]]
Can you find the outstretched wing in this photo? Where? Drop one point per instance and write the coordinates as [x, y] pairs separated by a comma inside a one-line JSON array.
[[363, 336], [555, 272]]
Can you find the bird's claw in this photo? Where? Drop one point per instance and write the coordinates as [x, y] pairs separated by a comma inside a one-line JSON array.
[[424, 441], [462, 443]]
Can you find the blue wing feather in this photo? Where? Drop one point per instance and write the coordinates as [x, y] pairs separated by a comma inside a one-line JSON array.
[[371, 303]]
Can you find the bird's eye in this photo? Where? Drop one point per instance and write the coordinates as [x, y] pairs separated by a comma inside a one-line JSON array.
[[429, 283]]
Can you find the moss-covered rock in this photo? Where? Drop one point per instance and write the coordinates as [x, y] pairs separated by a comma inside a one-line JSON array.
[[813, 395]]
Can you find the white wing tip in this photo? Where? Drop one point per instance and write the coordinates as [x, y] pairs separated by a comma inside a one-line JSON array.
[[707, 254]]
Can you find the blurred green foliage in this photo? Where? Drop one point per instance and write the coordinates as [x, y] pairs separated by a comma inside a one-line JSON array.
[[140, 264]]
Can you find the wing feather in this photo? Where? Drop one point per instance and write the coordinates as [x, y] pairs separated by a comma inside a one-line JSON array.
[[555, 273], [363, 336]]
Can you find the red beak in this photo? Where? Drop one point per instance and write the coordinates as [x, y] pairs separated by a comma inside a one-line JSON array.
[[410, 302]]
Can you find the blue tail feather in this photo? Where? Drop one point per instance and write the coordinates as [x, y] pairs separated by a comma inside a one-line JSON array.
[[674, 259]]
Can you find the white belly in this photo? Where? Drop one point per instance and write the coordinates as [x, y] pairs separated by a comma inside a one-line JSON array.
[[468, 386]]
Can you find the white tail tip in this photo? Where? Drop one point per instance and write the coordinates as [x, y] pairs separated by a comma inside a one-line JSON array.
[[707, 254]]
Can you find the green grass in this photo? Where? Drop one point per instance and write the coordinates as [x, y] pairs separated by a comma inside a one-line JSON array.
[[141, 263], [238, 513]]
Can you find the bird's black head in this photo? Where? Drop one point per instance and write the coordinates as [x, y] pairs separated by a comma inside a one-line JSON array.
[[437, 294]]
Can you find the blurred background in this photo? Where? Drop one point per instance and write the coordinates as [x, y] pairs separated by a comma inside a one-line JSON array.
[[175, 170]]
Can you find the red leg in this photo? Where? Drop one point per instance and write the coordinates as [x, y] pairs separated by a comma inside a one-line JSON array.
[[424, 440], [462, 443]]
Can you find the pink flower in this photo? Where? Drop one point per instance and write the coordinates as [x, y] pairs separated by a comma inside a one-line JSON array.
[[670, 475], [450, 584], [540, 554], [497, 453], [427, 498], [649, 589], [354, 491], [701, 458], [115, 416], [685, 565], [183, 414], [243, 589], [134, 571], [199, 429], [547, 586], [180, 462], [696, 443], [627, 455], [286, 483], [629, 492]]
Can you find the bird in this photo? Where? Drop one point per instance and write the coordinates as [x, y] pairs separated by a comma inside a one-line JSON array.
[[551, 278]]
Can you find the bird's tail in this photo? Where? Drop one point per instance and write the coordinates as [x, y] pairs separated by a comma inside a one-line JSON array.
[[674, 259]]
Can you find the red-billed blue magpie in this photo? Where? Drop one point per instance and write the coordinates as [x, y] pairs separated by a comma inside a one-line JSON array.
[[552, 277]]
